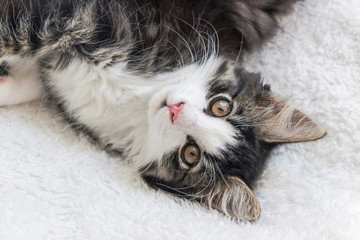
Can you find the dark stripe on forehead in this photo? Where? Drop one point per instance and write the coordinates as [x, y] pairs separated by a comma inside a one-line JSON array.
[[218, 85], [241, 80], [233, 83], [251, 82], [239, 111], [222, 69]]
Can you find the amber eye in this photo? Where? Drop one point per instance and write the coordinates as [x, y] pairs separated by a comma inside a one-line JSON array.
[[191, 154], [220, 108]]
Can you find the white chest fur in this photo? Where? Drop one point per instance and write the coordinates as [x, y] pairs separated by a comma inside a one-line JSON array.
[[110, 101]]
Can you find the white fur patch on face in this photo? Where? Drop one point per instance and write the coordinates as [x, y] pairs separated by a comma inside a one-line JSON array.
[[210, 133]]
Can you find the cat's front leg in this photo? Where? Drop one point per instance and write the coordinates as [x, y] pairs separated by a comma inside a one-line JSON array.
[[19, 80]]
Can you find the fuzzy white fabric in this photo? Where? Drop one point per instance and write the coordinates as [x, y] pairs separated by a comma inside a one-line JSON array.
[[56, 185]]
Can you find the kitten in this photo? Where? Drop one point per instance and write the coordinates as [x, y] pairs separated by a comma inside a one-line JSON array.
[[159, 83]]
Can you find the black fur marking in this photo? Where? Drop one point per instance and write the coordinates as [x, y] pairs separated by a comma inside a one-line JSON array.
[[222, 69], [165, 186], [239, 111], [241, 161], [249, 134], [218, 86], [4, 69], [246, 129], [231, 87]]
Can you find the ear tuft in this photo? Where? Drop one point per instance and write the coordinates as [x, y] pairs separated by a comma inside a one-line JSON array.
[[279, 122], [235, 199]]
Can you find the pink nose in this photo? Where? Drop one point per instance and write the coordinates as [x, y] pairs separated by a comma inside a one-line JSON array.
[[174, 110]]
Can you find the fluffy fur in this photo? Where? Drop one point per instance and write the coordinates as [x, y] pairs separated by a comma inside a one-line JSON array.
[[55, 186], [115, 68]]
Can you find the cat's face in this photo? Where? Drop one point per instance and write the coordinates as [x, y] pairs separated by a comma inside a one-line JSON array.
[[208, 135]]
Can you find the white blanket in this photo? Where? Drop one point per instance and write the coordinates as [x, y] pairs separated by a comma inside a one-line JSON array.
[[56, 185]]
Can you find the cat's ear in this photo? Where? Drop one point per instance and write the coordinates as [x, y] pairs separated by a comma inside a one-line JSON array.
[[234, 198], [277, 122]]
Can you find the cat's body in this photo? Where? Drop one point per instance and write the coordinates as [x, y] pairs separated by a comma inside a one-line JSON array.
[[158, 82]]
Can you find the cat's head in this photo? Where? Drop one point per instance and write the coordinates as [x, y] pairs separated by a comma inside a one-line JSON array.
[[209, 134]]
